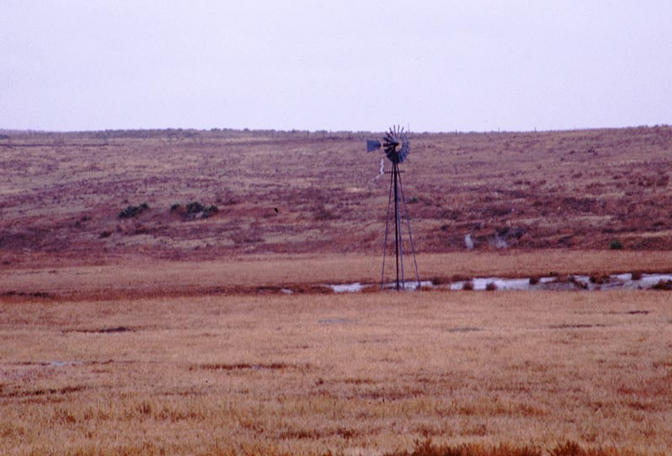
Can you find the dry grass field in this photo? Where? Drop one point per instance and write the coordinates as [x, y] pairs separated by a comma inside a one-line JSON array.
[[144, 306], [351, 374]]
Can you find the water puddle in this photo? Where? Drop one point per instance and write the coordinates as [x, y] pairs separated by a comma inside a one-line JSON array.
[[51, 363], [348, 287], [625, 281]]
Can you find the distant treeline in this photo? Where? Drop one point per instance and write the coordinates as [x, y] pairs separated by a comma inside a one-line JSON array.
[[214, 133], [186, 133]]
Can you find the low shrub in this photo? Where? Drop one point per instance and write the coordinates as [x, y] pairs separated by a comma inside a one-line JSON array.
[[438, 280], [599, 279], [577, 283], [133, 211], [209, 211], [194, 207], [615, 245], [663, 285], [194, 210], [459, 278], [320, 212]]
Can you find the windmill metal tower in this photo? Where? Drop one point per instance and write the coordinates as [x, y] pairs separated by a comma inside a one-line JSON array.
[[397, 146]]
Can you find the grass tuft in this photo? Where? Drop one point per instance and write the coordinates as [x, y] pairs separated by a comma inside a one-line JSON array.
[[568, 448], [427, 448]]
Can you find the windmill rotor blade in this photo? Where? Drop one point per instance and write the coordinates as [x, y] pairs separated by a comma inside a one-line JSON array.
[[405, 147], [403, 153], [391, 138], [396, 144]]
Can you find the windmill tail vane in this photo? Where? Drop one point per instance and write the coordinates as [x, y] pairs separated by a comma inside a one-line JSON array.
[[396, 145], [372, 144]]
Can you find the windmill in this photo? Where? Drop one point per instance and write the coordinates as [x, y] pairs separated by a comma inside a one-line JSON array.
[[396, 145]]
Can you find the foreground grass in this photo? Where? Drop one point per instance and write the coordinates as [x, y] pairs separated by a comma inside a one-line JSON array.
[[358, 374]]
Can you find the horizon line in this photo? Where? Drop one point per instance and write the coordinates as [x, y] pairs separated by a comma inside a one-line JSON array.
[[318, 131]]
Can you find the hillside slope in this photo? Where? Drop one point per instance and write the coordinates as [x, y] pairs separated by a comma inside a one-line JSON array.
[[66, 196]]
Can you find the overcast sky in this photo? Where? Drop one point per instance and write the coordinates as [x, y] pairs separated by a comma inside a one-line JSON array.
[[337, 65]]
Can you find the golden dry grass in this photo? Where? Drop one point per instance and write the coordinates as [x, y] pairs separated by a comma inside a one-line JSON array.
[[355, 374]]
